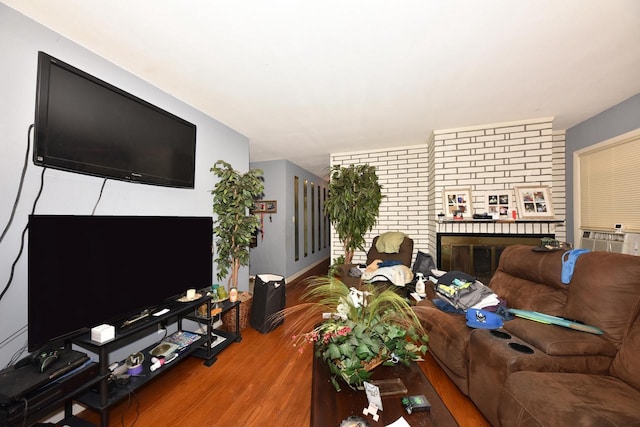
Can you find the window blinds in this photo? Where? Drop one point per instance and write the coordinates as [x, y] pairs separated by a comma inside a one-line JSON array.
[[610, 186]]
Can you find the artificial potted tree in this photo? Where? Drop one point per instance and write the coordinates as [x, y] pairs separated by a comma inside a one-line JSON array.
[[234, 226], [353, 205]]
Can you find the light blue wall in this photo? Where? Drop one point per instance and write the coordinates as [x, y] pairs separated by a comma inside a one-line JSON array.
[[269, 254], [69, 193], [617, 120], [275, 251]]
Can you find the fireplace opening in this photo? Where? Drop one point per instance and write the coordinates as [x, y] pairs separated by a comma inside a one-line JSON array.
[[478, 254]]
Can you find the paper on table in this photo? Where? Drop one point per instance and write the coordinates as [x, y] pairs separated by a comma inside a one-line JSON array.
[[400, 422], [373, 395]]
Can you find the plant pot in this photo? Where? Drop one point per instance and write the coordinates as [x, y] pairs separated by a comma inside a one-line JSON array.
[[229, 318]]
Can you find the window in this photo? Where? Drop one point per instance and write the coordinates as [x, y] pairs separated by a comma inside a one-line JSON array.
[[609, 179]]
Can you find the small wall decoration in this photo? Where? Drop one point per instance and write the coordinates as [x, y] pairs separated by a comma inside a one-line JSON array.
[[534, 202], [265, 206], [457, 202], [498, 203]]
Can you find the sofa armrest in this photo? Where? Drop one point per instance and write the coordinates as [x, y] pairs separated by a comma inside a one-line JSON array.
[[448, 340], [558, 341], [494, 357]]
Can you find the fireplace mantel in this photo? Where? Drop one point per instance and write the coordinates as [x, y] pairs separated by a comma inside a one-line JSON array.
[[502, 221], [491, 227]]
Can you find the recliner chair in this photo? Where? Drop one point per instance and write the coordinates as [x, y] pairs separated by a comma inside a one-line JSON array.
[[404, 255]]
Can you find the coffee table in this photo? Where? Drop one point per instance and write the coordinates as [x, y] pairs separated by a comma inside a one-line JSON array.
[[329, 408]]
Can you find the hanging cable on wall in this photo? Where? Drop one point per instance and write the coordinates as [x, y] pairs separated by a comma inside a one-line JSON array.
[[24, 232], [22, 175], [26, 227], [93, 212]]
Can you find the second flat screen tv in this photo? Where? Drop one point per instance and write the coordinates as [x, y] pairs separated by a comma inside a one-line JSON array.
[[89, 270], [88, 126]]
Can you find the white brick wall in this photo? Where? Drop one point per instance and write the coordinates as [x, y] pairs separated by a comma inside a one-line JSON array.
[[482, 158], [403, 174], [499, 157]]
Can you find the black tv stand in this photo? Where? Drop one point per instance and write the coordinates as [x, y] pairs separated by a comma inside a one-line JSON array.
[[104, 399], [27, 395]]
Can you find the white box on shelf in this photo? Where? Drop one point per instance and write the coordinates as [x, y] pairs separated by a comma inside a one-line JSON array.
[[103, 333]]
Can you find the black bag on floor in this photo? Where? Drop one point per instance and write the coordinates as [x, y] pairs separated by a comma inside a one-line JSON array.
[[269, 297]]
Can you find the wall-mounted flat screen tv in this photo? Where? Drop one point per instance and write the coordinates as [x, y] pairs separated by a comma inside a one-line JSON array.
[[86, 125], [84, 271]]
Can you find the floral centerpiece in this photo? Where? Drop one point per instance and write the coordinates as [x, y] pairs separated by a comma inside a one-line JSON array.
[[355, 330]]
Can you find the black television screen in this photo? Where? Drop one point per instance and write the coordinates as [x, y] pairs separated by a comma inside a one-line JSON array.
[[85, 125], [84, 271]]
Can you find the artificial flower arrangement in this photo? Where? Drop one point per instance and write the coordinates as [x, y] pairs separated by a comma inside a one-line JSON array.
[[353, 330]]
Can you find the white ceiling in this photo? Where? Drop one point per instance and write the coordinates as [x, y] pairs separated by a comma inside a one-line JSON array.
[[303, 79]]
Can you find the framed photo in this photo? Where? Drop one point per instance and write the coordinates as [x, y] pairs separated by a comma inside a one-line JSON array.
[[498, 203], [457, 202], [534, 202], [265, 206]]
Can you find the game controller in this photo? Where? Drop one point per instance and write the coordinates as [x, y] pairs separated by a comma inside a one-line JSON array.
[[45, 359]]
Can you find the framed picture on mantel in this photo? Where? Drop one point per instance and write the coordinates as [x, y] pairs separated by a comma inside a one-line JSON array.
[[534, 202], [457, 202], [498, 203]]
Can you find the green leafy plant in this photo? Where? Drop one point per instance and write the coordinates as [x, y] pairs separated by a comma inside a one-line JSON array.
[[353, 204], [334, 269], [375, 328], [234, 226]]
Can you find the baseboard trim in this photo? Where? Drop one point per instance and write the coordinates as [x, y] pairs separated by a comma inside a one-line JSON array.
[[305, 272]]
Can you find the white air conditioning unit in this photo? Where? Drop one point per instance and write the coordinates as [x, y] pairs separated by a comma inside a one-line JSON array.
[[621, 243]]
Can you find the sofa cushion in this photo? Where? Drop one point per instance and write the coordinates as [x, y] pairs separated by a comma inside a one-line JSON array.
[[567, 399], [389, 242], [539, 267], [559, 341], [605, 292], [625, 365], [530, 280], [527, 295]]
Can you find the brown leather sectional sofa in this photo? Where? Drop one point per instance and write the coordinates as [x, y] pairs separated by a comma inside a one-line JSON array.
[[534, 374]]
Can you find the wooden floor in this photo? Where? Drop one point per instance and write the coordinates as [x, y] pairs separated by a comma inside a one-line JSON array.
[[261, 380]]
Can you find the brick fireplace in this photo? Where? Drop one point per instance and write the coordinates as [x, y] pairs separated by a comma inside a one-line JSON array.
[[478, 254], [488, 159], [481, 158]]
